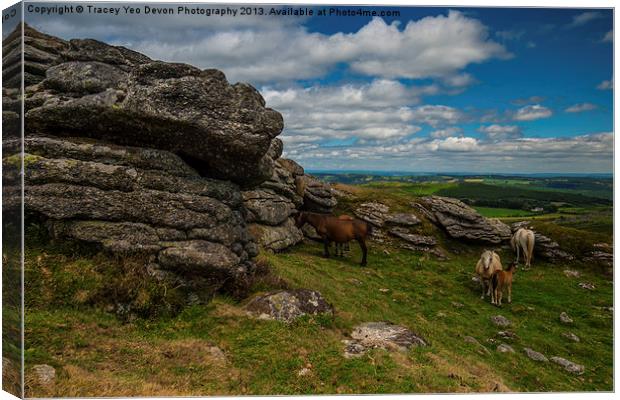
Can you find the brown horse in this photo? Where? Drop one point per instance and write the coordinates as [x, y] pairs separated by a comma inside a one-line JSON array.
[[333, 229]]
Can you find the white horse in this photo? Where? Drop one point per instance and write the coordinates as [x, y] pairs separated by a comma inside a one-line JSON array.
[[523, 239], [487, 265]]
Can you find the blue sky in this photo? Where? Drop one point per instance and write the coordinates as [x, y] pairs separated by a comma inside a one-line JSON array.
[[434, 89]]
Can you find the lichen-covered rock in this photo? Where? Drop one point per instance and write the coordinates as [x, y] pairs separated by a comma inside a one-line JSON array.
[[504, 348], [569, 366], [132, 200], [373, 212], [44, 374], [382, 335], [318, 196], [565, 319], [86, 88], [414, 239], [500, 321], [266, 207], [534, 355], [271, 205], [288, 305], [461, 221], [277, 238]]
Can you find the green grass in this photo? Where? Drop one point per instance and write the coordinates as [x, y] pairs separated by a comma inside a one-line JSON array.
[[263, 357], [492, 212], [97, 354]]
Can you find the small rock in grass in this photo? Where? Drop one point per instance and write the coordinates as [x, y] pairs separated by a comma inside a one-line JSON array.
[[304, 372], [587, 285], [565, 318], [504, 348], [353, 349], [384, 290], [475, 279], [479, 347], [441, 314], [500, 320], [381, 335], [569, 366], [457, 305], [45, 374], [571, 336], [534, 355], [354, 281], [571, 273], [507, 335]]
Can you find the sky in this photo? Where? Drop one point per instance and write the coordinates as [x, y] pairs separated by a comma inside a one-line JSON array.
[[484, 90]]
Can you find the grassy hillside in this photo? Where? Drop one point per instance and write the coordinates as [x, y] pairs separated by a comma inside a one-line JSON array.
[[218, 349]]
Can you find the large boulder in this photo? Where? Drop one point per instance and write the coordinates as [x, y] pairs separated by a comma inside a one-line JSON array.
[[461, 221], [277, 238], [271, 205], [86, 88], [318, 196], [130, 200]]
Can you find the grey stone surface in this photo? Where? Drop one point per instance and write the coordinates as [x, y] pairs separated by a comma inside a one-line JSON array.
[[569, 366], [288, 305], [382, 335], [534, 355], [461, 221]]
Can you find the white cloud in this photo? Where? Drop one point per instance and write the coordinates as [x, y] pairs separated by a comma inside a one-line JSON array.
[[591, 153], [459, 80], [532, 112], [264, 49], [584, 18], [581, 107], [437, 115], [496, 132], [455, 144], [447, 132], [606, 85], [609, 36], [377, 110]]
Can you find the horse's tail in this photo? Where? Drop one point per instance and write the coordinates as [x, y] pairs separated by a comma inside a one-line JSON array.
[[530, 246]]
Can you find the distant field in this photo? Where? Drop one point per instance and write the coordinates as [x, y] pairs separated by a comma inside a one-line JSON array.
[[492, 212]]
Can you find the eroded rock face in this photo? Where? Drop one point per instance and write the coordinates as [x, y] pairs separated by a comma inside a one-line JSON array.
[[318, 196], [461, 221], [271, 206], [131, 200], [87, 88], [279, 237], [288, 305]]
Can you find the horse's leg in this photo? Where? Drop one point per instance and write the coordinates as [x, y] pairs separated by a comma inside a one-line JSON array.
[[482, 283], [347, 247], [518, 247], [510, 293], [326, 247], [490, 285], [364, 250]]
